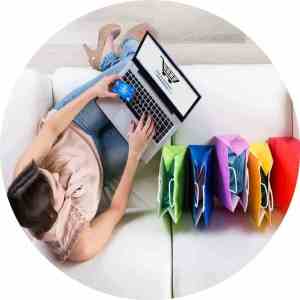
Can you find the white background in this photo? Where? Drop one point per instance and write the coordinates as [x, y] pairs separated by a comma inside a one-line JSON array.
[[25, 25]]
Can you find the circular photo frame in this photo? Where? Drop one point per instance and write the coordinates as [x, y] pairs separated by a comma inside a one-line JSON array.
[[158, 154]]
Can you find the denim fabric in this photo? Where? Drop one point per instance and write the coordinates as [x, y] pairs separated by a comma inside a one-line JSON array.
[[108, 61], [238, 162], [111, 145], [127, 52], [128, 47]]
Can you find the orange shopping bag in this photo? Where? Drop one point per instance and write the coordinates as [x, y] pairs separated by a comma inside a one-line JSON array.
[[260, 163]]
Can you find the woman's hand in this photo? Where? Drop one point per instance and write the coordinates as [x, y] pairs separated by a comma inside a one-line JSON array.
[[102, 89], [139, 136]]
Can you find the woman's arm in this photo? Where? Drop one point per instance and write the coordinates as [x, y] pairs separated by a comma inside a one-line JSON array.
[[63, 118], [94, 236], [60, 120]]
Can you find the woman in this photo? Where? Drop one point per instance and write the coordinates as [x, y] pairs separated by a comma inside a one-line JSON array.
[[59, 179]]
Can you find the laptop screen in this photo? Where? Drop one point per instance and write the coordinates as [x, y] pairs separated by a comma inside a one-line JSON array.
[[167, 76]]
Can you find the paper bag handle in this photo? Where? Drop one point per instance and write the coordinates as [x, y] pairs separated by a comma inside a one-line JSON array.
[[235, 178], [197, 196], [270, 196], [271, 204], [267, 195], [171, 202]]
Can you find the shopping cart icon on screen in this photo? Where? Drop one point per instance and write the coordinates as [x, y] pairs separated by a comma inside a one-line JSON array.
[[166, 71]]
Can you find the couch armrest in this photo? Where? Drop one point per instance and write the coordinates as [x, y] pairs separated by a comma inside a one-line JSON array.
[[31, 98]]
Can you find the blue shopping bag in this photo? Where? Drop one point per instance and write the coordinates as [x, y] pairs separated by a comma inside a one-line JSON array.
[[201, 182]]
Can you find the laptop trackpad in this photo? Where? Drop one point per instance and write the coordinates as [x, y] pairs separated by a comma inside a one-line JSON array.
[[123, 119], [118, 114]]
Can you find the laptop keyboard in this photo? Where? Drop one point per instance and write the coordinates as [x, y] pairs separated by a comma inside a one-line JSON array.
[[144, 103]]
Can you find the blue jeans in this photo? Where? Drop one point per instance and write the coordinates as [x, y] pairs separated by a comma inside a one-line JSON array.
[[112, 147]]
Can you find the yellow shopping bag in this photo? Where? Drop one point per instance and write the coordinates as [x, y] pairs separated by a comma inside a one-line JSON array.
[[260, 163]]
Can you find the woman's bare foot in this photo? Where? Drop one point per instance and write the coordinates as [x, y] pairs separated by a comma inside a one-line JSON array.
[[106, 37]]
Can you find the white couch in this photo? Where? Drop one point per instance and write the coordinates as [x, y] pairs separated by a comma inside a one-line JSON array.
[[149, 258]]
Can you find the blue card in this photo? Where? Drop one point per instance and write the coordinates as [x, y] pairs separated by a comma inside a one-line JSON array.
[[124, 90]]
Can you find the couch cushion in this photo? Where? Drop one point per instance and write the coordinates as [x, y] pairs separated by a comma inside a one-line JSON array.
[[65, 80], [245, 99], [203, 258], [140, 248], [136, 263], [31, 98]]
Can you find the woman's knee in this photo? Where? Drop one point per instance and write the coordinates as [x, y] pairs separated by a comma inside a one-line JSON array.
[[115, 160], [114, 150], [129, 48]]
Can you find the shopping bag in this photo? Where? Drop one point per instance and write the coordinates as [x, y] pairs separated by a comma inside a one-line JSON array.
[[286, 156], [260, 163], [200, 192], [232, 178], [172, 180]]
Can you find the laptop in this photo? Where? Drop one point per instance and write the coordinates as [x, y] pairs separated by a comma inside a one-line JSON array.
[[161, 90]]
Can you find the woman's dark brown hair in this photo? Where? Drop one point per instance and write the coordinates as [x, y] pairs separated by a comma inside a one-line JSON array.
[[31, 198]]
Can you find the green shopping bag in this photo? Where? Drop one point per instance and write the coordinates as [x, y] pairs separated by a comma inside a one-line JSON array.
[[172, 175]]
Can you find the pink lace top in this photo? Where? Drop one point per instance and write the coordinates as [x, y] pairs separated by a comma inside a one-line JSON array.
[[75, 158]]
